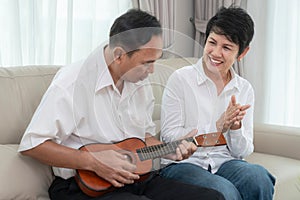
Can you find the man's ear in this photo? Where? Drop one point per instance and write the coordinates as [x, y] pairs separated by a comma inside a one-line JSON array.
[[243, 54], [117, 53]]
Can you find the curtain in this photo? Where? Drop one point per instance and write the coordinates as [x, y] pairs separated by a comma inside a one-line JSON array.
[[273, 63], [281, 71], [204, 10], [54, 31], [164, 11]]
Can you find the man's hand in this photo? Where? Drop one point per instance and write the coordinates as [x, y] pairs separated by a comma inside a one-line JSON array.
[[114, 167], [232, 117], [185, 149]]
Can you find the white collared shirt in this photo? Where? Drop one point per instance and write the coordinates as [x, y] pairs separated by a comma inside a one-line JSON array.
[[190, 101], [82, 105]]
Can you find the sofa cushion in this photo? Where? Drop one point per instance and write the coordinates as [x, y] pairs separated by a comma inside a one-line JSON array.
[[22, 177], [21, 90], [286, 171]]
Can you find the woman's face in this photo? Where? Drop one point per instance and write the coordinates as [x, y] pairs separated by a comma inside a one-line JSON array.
[[219, 53]]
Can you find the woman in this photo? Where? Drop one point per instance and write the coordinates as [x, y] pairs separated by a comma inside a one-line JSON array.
[[210, 97]]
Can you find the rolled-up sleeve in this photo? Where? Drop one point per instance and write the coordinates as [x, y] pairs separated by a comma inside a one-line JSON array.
[[52, 119]]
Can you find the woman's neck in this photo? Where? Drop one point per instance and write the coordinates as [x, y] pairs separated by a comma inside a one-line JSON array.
[[220, 79]]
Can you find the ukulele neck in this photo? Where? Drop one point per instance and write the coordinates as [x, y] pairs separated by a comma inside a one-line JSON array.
[[203, 140]]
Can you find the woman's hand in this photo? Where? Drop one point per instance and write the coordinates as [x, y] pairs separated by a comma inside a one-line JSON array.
[[232, 117]]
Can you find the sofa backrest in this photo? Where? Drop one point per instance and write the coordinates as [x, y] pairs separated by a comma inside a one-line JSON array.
[[22, 88]]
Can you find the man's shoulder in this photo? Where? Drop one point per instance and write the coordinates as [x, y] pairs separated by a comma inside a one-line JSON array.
[[68, 74]]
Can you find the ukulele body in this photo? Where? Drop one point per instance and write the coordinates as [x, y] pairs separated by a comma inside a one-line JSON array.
[[139, 154], [93, 185]]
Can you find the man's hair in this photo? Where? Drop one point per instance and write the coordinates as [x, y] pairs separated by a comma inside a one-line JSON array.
[[133, 29], [235, 24]]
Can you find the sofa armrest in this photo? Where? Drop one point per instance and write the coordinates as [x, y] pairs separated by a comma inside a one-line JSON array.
[[277, 140], [22, 177]]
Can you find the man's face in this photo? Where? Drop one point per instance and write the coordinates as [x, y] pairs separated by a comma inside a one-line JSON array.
[[219, 53], [138, 66]]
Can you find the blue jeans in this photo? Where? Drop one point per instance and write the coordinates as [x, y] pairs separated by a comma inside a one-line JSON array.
[[235, 179]]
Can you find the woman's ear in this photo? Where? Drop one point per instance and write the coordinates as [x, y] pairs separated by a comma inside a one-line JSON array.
[[117, 53], [243, 54]]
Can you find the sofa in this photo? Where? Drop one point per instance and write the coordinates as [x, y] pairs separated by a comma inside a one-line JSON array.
[[276, 148]]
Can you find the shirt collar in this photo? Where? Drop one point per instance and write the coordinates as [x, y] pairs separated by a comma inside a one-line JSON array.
[[201, 76], [104, 78], [234, 81]]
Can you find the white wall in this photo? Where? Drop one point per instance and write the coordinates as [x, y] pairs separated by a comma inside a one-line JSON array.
[[254, 60], [184, 28]]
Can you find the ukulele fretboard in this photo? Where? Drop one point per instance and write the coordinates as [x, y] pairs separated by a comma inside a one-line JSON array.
[[159, 150]]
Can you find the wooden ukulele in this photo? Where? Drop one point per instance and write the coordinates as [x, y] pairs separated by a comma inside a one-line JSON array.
[[138, 153]]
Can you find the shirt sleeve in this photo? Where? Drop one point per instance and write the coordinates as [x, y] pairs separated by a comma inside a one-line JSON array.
[[52, 119], [173, 110]]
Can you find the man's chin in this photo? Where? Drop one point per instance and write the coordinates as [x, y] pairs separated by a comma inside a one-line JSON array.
[[136, 81], [143, 78]]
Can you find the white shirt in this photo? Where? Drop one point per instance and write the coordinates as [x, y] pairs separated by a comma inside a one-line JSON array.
[[190, 101], [82, 106]]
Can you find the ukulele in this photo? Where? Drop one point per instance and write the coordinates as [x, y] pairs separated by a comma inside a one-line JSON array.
[[139, 154]]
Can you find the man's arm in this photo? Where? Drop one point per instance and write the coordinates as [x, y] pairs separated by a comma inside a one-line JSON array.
[[57, 155], [109, 165]]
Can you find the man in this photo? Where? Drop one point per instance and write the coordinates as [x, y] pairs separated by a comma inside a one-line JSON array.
[[210, 97], [106, 99]]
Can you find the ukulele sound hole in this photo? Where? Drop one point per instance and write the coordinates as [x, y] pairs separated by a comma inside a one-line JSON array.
[[129, 156]]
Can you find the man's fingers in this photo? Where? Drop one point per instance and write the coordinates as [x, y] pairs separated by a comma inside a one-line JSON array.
[[178, 154], [129, 167], [183, 149], [187, 148], [122, 178]]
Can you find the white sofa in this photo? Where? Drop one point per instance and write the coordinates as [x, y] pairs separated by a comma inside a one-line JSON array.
[[21, 88]]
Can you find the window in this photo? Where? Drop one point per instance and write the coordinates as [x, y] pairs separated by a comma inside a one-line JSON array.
[[283, 63], [275, 62], [54, 31]]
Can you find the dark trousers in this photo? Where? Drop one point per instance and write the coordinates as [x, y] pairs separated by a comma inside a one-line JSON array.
[[156, 188]]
